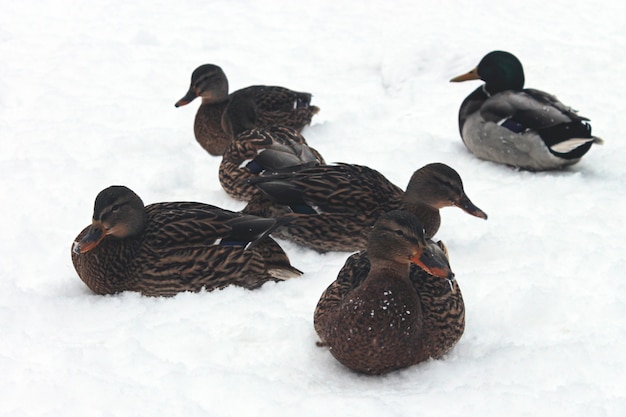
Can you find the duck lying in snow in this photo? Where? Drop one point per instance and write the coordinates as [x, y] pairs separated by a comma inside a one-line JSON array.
[[395, 304], [333, 207], [167, 248], [277, 106], [501, 121]]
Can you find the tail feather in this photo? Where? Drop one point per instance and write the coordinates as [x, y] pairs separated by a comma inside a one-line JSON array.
[[572, 144], [284, 273], [277, 261]]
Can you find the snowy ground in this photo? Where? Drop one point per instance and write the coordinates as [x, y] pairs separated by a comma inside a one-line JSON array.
[[87, 92]]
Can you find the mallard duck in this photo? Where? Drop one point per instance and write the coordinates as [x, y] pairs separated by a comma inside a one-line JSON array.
[[276, 106], [333, 207], [166, 248], [393, 306], [255, 150], [501, 121]]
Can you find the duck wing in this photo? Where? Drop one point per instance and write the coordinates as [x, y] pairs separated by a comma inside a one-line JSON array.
[[341, 188], [274, 98], [195, 246], [533, 109], [287, 157], [257, 150], [186, 224], [279, 106], [171, 270], [562, 129]]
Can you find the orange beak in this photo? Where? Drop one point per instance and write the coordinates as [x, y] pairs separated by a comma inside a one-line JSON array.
[[434, 261], [91, 239], [191, 94], [472, 75]]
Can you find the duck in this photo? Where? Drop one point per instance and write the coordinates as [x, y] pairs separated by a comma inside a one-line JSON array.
[[166, 248], [254, 151], [394, 305], [333, 207], [503, 122], [276, 106]]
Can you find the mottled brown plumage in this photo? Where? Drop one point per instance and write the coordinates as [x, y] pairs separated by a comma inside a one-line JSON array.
[[166, 248], [277, 106], [333, 207], [254, 151], [383, 313]]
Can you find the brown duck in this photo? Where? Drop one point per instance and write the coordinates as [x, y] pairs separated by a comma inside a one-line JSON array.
[[257, 150], [393, 306], [276, 106], [333, 207], [166, 248]]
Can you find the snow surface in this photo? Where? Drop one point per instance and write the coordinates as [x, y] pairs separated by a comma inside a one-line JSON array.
[[87, 92]]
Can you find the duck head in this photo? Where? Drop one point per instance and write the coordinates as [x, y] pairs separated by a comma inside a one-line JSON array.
[[118, 212], [438, 186], [499, 70], [398, 237], [207, 81]]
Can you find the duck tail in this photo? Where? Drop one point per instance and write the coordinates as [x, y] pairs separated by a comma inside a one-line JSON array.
[[277, 261], [284, 273], [571, 145]]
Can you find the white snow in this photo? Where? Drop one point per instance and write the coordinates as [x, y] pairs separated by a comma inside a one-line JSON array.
[[87, 93]]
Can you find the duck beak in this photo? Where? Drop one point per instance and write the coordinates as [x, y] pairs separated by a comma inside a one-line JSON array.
[[191, 94], [434, 261], [467, 206], [472, 75], [92, 238]]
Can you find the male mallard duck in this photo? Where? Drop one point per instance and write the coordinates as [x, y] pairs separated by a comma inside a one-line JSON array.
[[255, 150], [333, 207], [503, 122], [382, 313], [167, 248], [276, 106]]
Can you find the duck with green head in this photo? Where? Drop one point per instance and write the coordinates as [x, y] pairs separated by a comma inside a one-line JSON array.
[[501, 121]]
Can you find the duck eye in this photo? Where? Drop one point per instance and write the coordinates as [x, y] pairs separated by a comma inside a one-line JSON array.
[[399, 233], [115, 208]]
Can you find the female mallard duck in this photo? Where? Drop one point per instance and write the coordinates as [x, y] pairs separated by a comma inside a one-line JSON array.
[[276, 106], [167, 248], [254, 151], [333, 207], [503, 122], [382, 313]]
